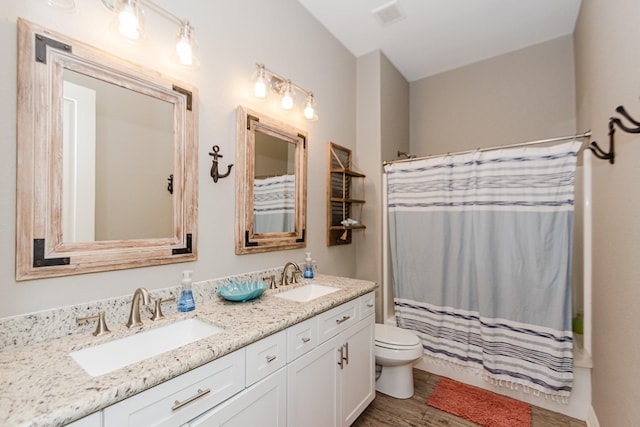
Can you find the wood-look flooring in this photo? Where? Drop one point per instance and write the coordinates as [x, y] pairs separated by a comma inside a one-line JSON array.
[[387, 411]]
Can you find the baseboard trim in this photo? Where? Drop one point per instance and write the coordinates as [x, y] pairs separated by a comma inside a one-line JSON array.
[[592, 419]]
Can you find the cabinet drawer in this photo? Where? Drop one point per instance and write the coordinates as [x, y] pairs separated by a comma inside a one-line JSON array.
[[301, 338], [337, 319], [183, 398], [367, 304], [264, 404], [93, 420], [266, 356]]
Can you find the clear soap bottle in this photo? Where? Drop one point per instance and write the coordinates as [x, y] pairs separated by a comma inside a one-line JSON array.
[[186, 302], [308, 267]]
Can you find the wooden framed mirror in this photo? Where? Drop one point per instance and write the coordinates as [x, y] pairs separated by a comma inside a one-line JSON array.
[[107, 161], [271, 184]]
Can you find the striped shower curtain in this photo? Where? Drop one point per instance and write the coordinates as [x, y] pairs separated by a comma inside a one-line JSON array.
[[274, 204], [481, 247]]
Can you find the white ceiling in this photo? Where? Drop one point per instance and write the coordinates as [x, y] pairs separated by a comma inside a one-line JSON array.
[[440, 35]]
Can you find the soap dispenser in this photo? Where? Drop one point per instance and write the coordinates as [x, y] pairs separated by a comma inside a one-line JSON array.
[[186, 302], [308, 267]]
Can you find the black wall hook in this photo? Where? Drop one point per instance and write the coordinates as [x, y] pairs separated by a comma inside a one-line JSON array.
[[214, 167], [613, 122], [170, 184]]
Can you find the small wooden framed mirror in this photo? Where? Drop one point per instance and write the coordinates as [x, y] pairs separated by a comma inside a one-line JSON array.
[[271, 184]]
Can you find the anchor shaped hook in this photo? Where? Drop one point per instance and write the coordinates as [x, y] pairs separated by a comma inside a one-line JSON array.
[[214, 167]]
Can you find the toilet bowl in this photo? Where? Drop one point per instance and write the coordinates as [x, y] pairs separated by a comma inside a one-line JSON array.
[[395, 350]]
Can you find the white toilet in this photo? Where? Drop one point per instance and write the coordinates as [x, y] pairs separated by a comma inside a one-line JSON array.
[[396, 349]]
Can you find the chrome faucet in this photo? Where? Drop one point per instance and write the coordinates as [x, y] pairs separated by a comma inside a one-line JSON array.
[[134, 314], [294, 275]]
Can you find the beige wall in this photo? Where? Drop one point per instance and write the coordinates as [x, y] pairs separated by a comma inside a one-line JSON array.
[[520, 96], [232, 37], [607, 75], [382, 130]]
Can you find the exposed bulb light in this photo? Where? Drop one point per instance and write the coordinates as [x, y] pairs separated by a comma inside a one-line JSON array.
[[186, 45], [129, 20], [309, 110], [260, 83], [287, 96], [265, 83]]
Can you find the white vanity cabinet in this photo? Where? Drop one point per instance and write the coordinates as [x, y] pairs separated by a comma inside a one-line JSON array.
[[332, 384], [319, 372]]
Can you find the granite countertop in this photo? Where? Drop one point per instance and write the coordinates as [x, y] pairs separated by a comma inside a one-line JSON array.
[[41, 385]]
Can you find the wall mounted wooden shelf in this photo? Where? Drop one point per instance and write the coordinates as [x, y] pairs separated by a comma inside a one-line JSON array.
[[345, 196]]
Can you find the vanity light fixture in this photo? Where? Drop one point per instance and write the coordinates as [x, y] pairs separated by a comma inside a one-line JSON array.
[[130, 25], [265, 79]]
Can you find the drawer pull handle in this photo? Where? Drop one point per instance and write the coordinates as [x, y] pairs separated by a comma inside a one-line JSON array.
[[177, 405], [370, 305], [306, 340], [346, 348], [271, 358], [344, 319]]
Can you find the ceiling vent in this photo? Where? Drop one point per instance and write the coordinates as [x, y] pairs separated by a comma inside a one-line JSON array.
[[388, 13]]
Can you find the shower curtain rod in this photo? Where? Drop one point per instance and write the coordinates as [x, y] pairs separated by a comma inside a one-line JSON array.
[[586, 134]]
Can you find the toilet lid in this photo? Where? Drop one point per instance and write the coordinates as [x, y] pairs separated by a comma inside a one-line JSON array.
[[395, 336]]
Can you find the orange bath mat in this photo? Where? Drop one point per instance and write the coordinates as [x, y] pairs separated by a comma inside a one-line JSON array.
[[480, 406]]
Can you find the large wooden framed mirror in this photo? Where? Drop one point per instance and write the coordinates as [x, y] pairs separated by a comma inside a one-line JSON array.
[[107, 161], [271, 184]]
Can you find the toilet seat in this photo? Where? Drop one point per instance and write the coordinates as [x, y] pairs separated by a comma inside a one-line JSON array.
[[395, 338]]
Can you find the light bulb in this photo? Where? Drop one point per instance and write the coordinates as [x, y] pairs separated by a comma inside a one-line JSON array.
[[183, 47], [260, 84], [287, 97], [128, 21], [309, 111]]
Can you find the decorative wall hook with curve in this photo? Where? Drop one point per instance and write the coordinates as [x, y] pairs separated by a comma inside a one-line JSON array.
[[214, 167], [613, 121]]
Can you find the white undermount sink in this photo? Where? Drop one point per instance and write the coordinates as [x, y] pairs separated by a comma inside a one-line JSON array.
[[308, 292], [104, 358]]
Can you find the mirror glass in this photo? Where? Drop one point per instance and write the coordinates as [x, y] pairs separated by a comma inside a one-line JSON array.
[[107, 161], [274, 184], [108, 195], [270, 183]]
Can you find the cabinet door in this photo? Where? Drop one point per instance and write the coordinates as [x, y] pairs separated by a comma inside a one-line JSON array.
[[357, 377], [312, 385], [263, 404]]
